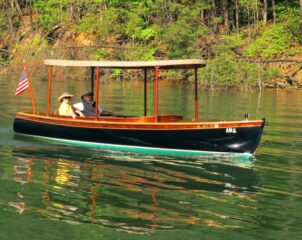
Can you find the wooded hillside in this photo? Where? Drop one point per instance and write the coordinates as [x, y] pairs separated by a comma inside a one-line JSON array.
[[232, 35]]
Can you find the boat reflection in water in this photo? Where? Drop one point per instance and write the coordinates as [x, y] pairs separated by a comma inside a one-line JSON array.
[[134, 193]]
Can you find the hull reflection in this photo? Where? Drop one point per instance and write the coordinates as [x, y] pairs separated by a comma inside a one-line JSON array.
[[134, 193]]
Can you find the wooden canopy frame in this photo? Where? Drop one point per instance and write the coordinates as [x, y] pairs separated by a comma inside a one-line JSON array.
[[145, 65]]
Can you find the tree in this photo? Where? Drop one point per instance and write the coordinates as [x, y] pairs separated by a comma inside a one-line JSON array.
[[9, 17], [225, 16], [237, 15], [274, 11], [256, 13], [301, 21], [265, 9]]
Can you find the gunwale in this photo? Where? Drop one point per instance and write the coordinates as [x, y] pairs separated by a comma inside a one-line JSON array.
[[163, 64], [98, 123]]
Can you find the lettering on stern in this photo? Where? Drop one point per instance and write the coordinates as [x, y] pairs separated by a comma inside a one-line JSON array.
[[230, 130]]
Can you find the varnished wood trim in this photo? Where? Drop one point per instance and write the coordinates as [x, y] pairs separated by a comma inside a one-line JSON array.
[[49, 89], [97, 84], [156, 94], [138, 125], [196, 95]]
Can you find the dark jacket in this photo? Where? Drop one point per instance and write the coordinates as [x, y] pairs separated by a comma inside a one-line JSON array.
[[89, 109]]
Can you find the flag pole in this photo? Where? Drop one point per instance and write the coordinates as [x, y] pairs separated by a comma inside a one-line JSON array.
[[30, 89]]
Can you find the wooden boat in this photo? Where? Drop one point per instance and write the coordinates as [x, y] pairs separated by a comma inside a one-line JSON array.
[[149, 132]]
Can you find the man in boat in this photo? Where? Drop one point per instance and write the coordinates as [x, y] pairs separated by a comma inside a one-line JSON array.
[[87, 106]]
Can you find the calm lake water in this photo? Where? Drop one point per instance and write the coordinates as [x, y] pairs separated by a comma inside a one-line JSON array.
[[49, 190]]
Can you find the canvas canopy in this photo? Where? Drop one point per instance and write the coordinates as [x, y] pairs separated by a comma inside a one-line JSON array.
[[163, 64]]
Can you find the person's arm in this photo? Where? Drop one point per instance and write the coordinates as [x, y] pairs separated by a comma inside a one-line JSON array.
[[79, 112], [70, 112], [107, 113]]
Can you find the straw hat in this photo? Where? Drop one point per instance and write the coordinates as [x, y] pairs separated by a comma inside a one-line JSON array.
[[64, 95]]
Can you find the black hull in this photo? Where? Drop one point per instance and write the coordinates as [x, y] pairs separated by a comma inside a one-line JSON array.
[[243, 140]]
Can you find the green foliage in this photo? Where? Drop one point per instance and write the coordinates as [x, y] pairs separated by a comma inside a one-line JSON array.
[[88, 23], [294, 51], [221, 71], [101, 54], [182, 36], [147, 34], [140, 53], [104, 25], [51, 13], [270, 73], [273, 42], [160, 29], [3, 61], [279, 39], [289, 16], [232, 41], [38, 43], [133, 26], [116, 72], [3, 25], [227, 69], [229, 44]]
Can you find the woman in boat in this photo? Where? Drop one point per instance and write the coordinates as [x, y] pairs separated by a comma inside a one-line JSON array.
[[87, 106], [65, 108]]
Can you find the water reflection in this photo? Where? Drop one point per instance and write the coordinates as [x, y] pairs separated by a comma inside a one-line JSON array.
[[22, 174], [135, 193]]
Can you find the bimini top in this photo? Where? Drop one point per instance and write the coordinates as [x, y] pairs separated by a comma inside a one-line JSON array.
[[163, 64]]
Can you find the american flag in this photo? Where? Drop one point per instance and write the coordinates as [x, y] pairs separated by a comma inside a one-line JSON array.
[[23, 84]]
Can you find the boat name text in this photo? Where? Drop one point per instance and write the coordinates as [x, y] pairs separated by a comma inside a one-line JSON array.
[[230, 130]]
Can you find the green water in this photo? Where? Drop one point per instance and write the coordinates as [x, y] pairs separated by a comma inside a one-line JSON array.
[[50, 190]]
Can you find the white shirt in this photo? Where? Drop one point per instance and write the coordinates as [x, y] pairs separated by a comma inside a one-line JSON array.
[[80, 107]]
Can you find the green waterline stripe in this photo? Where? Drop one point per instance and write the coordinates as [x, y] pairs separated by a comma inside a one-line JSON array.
[[139, 149]]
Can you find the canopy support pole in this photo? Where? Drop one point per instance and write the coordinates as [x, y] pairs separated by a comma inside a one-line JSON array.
[[156, 94], [97, 83], [30, 89], [196, 95], [92, 79], [145, 92], [49, 89]]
